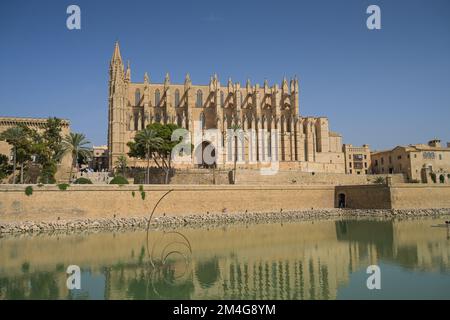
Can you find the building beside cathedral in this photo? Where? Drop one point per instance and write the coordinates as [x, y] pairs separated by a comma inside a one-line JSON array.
[[267, 116]]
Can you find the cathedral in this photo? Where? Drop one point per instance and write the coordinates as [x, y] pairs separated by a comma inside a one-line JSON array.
[[251, 125]]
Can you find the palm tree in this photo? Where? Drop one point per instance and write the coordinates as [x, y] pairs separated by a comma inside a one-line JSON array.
[[121, 163], [149, 141], [75, 143], [14, 136]]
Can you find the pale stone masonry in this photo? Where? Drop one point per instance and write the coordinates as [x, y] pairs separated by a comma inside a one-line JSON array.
[[427, 163], [357, 159], [269, 115]]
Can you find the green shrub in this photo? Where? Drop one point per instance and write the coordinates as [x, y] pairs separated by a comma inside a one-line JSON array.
[[118, 180], [83, 181], [143, 195], [29, 190], [141, 188], [63, 186], [133, 193], [379, 180], [433, 177]]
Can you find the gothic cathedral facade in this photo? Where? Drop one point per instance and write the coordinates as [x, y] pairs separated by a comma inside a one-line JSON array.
[[267, 116]]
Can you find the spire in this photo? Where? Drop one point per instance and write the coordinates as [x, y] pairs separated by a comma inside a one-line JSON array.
[[166, 81], [146, 78], [187, 82], [116, 55], [128, 72]]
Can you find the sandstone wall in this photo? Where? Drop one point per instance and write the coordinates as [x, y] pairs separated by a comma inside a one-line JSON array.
[[364, 196], [396, 196], [422, 196], [98, 201]]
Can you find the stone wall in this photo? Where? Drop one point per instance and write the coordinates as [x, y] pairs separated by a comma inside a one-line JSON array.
[[254, 177], [396, 196], [105, 201], [376, 196], [421, 196]]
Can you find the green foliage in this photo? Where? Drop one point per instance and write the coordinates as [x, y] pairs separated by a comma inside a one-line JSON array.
[[433, 177], [48, 172], [29, 190], [118, 180], [379, 180], [441, 178], [5, 167], [83, 180], [133, 193], [121, 164], [141, 188], [143, 195], [49, 149], [75, 144], [63, 186], [155, 143]]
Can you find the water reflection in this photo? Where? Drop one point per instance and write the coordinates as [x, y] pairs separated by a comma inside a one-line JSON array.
[[303, 260]]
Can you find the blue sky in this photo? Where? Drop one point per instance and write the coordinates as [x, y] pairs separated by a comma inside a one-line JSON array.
[[383, 87]]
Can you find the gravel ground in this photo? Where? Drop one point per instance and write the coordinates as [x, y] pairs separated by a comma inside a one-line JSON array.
[[210, 220]]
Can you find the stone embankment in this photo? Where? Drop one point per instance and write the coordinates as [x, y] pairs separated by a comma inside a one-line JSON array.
[[209, 220]]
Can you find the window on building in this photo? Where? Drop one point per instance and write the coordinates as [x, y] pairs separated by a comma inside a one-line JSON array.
[[415, 155], [350, 171], [440, 157], [177, 97], [429, 155], [365, 164], [399, 157], [157, 97], [199, 101], [390, 159], [137, 97], [222, 98], [350, 164], [365, 171], [365, 156], [382, 160]]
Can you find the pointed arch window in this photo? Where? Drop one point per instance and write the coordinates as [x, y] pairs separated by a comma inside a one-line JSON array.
[[177, 97], [199, 101], [137, 97], [157, 97]]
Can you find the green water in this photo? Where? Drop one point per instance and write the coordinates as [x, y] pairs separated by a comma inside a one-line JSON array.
[[299, 260]]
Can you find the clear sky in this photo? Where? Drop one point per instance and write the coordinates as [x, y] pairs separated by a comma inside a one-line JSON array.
[[382, 87]]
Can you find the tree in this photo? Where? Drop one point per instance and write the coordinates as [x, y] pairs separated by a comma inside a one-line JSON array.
[[156, 143], [49, 149], [16, 137], [146, 144], [121, 164], [75, 144], [5, 167]]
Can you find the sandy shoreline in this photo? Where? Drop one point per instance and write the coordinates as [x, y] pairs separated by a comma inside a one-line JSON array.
[[209, 220]]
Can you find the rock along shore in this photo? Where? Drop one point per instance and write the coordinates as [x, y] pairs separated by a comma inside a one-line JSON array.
[[209, 220]]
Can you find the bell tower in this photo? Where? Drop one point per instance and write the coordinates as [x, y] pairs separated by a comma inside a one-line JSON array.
[[116, 107]]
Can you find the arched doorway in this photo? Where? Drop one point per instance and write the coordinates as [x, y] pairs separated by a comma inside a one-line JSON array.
[[205, 155], [341, 200], [441, 178]]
